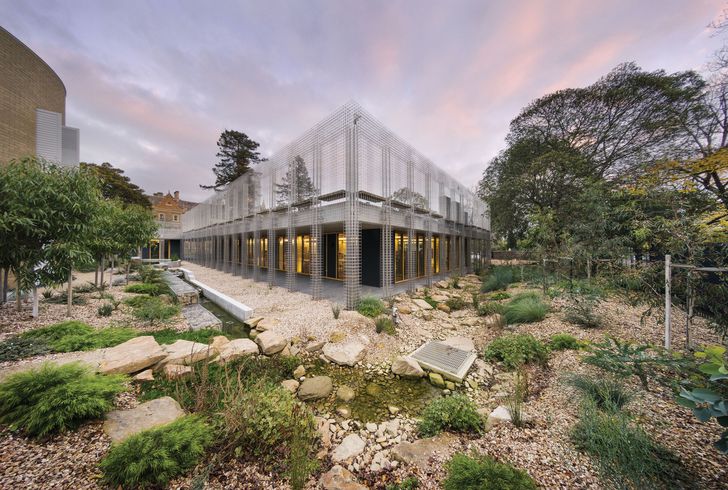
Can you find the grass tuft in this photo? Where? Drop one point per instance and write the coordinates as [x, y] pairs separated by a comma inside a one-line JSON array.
[[605, 393], [370, 306], [484, 473], [455, 413], [525, 308]]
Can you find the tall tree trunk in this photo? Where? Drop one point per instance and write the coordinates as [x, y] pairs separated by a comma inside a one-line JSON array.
[[128, 264], [96, 275], [70, 292], [35, 301]]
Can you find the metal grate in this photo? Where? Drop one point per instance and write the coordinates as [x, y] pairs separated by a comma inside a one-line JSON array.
[[441, 358]]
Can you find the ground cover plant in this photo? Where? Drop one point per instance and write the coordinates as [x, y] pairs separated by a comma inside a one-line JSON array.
[[481, 472], [155, 456], [605, 393], [155, 310], [515, 350], [455, 413], [370, 306], [563, 341], [525, 308], [145, 288], [73, 336], [170, 335], [18, 347], [456, 303], [50, 399], [490, 308]]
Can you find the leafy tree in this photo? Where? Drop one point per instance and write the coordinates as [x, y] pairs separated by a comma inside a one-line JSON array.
[[116, 185], [236, 153], [296, 185]]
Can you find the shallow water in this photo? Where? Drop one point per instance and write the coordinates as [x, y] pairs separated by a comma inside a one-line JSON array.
[[231, 326], [374, 392]]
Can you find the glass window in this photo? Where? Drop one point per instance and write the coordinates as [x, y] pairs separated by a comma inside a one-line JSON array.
[[281, 265], [303, 254], [175, 217], [251, 252], [161, 216], [435, 254], [263, 258], [341, 256]]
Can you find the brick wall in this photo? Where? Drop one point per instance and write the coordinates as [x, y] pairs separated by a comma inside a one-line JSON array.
[[27, 83]]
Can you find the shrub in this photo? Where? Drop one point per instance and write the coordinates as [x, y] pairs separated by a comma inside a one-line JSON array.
[[500, 295], [155, 310], [430, 301], [154, 456], [409, 483], [19, 347], [55, 398], [604, 393], [499, 279], [138, 301], [385, 324], [169, 335], [476, 300], [370, 306], [455, 413], [96, 339], [484, 473], [563, 341], [150, 275], [144, 288], [517, 349], [456, 303], [525, 308], [105, 310], [336, 310], [47, 293], [581, 310], [490, 308], [62, 299], [624, 453], [84, 288]]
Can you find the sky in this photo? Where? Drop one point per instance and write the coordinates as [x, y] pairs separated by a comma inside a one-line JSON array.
[[151, 85]]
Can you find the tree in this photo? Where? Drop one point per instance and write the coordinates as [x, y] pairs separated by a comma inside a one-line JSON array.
[[116, 185], [236, 154], [296, 185]]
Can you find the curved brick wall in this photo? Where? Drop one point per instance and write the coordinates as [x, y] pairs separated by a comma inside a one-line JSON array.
[[27, 83]]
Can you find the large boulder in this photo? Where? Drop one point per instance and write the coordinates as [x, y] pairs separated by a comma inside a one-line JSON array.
[[315, 388], [351, 447], [422, 303], [419, 452], [271, 342], [462, 343], [235, 349], [186, 352], [132, 356], [339, 478], [347, 354], [218, 342], [407, 367], [120, 424]]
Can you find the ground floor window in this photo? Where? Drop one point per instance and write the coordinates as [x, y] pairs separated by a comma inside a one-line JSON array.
[[238, 250], [303, 254], [340, 256], [435, 261], [401, 243], [281, 259], [263, 257], [448, 264]]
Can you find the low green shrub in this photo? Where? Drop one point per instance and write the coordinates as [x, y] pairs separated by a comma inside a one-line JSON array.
[[517, 349], [563, 341], [105, 310], [84, 288], [55, 398], [605, 393], [58, 331], [623, 452], [385, 324], [491, 308], [169, 335], [145, 288], [581, 310], [18, 347], [409, 483], [481, 472], [155, 311], [370, 306], [525, 308], [155, 456], [150, 275], [455, 413], [456, 303], [476, 300], [498, 279], [138, 301], [62, 299], [96, 339], [499, 295]]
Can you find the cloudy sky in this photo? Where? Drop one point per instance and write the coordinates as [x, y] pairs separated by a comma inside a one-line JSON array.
[[152, 84]]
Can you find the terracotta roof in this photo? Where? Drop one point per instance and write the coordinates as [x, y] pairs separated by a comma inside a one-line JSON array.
[[156, 199]]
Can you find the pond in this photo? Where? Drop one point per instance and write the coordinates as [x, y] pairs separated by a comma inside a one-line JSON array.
[[374, 392]]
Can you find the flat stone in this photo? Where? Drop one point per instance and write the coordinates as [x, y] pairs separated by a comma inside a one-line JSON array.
[[323, 427], [470, 322], [315, 388], [347, 354], [271, 342], [339, 478], [404, 309], [421, 303], [351, 447], [315, 346], [218, 342], [120, 424], [266, 324], [186, 352], [290, 385], [146, 375], [442, 284], [299, 371], [176, 371], [237, 348], [419, 452], [253, 322], [462, 343], [440, 298], [407, 367], [436, 380], [345, 393], [343, 411], [443, 307], [132, 356]]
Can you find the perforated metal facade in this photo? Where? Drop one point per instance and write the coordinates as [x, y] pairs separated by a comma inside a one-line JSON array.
[[348, 201]]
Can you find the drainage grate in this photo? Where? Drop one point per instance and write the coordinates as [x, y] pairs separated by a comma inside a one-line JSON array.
[[441, 358]]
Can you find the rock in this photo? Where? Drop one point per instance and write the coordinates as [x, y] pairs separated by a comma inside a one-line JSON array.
[[462, 343], [371, 427], [120, 424], [286, 352], [290, 385], [449, 385], [470, 322], [495, 321], [253, 334], [404, 309], [440, 298], [299, 371], [337, 336], [347, 354], [501, 415], [443, 307], [235, 349], [418, 453], [146, 375], [442, 284], [373, 389], [421, 303], [131, 356], [351, 447], [436, 380], [345, 393], [315, 346], [315, 388], [323, 427], [176, 371], [339, 478], [253, 322], [344, 411], [407, 367], [270, 342], [186, 352], [266, 324], [218, 342], [393, 410]]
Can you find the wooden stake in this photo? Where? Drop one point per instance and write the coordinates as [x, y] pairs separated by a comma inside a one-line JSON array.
[[668, 301]]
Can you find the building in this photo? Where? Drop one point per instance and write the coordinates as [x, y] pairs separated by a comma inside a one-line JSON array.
[[32, 107], [168, 210], [348, 209]]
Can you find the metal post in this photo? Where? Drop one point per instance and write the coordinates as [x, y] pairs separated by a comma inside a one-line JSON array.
[[668, 301]]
